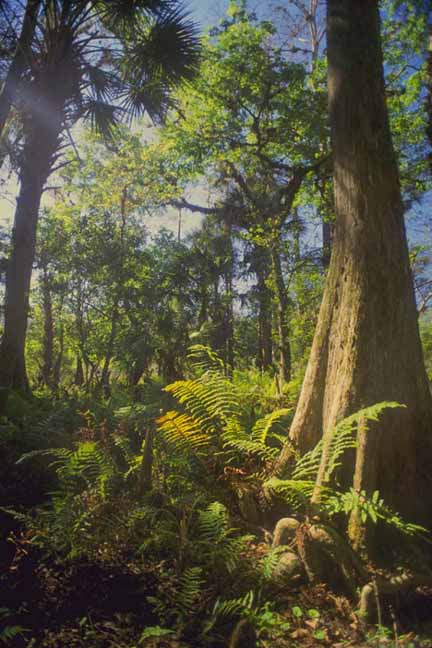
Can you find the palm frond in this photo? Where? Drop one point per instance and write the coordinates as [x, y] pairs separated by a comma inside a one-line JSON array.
[[103, 117], [166, 47]]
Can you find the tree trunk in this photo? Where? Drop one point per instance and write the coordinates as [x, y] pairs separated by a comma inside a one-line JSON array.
[[104, 381], [367, 346], [39, 147], [282, 318], [57, 369], [79, 372], [19, 62], [48, 337], [228, 323], [265, 346]]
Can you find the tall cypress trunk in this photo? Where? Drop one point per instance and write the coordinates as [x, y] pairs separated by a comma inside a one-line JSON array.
[[367, 346], [39, 147], [19, 62], [282, 318]]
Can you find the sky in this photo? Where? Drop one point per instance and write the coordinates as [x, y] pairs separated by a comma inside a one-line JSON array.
[[205, 13]]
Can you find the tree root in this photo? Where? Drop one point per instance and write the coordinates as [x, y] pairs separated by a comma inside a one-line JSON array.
[[371, 595]]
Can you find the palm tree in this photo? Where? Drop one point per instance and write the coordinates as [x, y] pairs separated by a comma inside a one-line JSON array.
[[101, 60]]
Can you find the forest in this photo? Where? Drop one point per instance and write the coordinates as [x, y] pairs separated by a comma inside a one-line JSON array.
[[215, 323]]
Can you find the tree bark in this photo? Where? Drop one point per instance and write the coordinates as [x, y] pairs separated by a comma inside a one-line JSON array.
[[265, 345], [39, 147], [282, 318], [367, 347], [19, 61]]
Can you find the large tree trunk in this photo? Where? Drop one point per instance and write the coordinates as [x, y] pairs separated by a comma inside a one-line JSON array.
[[367, 347], [19, 62], [39, 148]]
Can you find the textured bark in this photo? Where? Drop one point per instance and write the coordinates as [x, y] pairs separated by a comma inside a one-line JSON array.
[[367, 347], [19, 62]]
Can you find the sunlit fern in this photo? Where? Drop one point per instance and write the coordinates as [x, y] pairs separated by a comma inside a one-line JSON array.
[[210, 416]]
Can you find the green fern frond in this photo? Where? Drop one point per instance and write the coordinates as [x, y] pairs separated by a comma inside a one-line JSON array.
[[264, 426], [191, 583], [341, 438], [233, 607], [204, 359], [297, 492], [236, 439], [182, 431], [211, 400], [267, 564]]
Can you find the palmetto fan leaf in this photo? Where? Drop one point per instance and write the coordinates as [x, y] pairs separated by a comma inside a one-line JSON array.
[[121, 14], [103, 116], [101, 83], [163, 48]]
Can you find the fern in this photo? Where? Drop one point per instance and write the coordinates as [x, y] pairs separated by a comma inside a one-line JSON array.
[[211, 400], [264, 426], [205, 360], [191, 583], [269, 562], [229, 608], [236, 439], [182, 431], [341, 438], [216, 541]]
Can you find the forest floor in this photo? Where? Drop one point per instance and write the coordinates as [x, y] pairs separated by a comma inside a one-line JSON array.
[[110, 592], [83, 604]]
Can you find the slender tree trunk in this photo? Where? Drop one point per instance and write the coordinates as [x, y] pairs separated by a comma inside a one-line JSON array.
[[19, 62], [104, 381], [367, 346], [229, 297], [282, 318], [145, 477], [39, 147], [48, 337], [265, 346], [79, 372], [57, 369]]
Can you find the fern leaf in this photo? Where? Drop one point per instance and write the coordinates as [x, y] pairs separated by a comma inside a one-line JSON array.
[[264, 426]]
